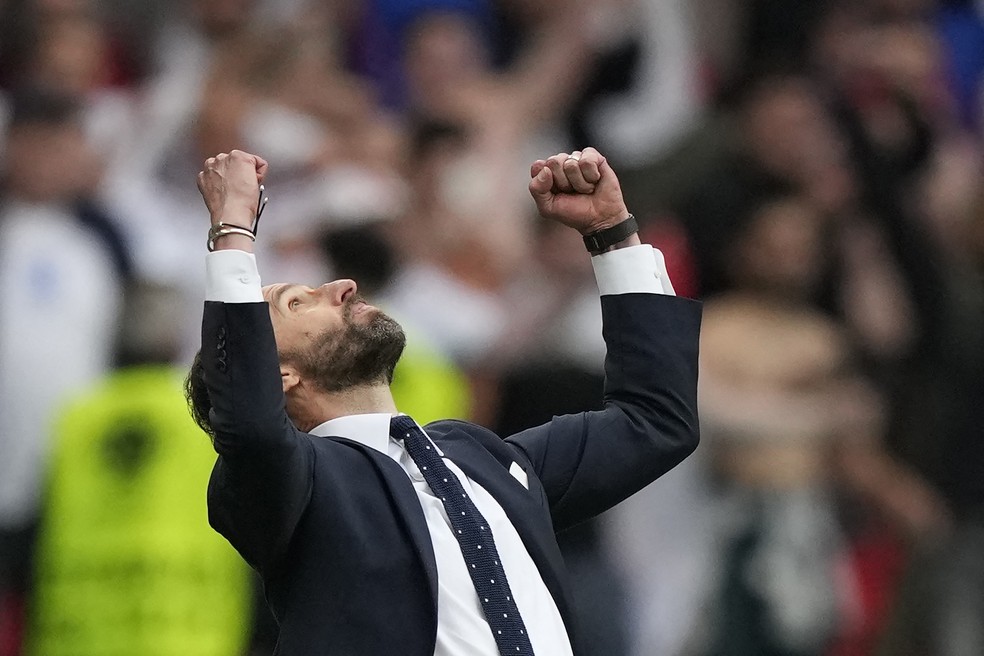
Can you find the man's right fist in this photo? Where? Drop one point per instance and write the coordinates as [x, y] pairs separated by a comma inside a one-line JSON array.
[[230, 184]]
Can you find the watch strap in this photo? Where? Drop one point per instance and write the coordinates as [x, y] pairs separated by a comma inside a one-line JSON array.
[[599, 241]]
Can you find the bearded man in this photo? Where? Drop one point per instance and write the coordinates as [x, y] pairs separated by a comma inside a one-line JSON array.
[[375, 536]]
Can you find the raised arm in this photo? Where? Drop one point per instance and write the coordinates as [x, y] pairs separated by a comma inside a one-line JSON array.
[[589, 462], [261, 482]]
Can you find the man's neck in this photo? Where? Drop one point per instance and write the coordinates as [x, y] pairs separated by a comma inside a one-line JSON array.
[[324, 406]]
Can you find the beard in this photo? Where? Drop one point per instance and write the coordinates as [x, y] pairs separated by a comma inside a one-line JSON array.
[[354, 355]]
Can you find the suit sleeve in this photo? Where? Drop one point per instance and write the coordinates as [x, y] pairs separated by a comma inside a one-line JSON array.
[[262, 480], [591, 461]]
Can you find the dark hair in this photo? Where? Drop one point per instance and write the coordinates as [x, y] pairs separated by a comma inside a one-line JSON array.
[[199, 403]]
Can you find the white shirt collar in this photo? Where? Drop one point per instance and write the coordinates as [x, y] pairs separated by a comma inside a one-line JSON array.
[[371, 430]]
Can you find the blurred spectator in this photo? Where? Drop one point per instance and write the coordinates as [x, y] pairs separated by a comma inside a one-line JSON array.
[[644, 86], [786, 416], [126, 561], [76, 55], [942, 596], [278, 90], [505, 114], [448, 284], [62, 268], [783, 139], [379, 29], [555, 314]]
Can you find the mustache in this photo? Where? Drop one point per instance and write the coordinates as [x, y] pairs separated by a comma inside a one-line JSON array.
[[349, 305]]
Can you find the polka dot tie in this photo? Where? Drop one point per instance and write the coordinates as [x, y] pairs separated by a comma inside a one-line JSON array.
[[474, 537]]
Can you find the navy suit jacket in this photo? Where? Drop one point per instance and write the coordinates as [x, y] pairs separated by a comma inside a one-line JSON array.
[[334, 527]]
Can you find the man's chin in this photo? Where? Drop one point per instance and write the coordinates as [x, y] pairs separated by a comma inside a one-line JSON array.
[[364, 353]]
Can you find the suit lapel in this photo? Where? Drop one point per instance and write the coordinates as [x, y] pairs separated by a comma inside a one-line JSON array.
[[404, 497], [522, 506]]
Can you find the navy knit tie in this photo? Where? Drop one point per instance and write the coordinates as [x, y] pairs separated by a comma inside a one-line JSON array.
[[474, 537]]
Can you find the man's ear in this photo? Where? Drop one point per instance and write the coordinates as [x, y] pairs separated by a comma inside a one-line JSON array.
[[289, 377]]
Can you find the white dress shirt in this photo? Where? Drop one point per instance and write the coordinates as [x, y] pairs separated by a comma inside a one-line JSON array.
[[232, 277]]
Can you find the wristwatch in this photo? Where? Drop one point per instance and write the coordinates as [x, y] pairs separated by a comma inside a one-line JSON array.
[[598, 242]]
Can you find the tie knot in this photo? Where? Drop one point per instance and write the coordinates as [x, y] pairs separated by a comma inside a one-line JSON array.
[[401, 425]]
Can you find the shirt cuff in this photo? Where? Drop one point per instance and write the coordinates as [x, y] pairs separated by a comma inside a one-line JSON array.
[[231, 276], [632, 270]]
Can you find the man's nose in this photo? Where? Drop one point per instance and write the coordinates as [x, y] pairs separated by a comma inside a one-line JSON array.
[[338, 291]]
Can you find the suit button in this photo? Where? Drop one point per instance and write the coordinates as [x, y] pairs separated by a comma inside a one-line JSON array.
[[222, 332]]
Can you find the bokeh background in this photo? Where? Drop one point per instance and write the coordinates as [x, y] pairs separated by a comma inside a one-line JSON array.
[[812, 169]]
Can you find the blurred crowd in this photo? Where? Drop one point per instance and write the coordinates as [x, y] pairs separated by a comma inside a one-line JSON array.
[[812, 169]]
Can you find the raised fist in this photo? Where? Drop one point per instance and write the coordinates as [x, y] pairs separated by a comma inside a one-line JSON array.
[[230, 185], [579, 190]]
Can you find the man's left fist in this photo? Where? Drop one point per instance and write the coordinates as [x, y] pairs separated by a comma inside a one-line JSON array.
[[579, 190]]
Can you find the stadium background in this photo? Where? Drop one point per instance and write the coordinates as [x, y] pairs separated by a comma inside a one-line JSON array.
[[812, 169]]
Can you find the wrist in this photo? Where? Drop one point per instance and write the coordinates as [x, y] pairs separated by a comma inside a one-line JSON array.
[[238, 216], [232, 242], [611, 221], [228, 236], [235, 228], [621, 234]]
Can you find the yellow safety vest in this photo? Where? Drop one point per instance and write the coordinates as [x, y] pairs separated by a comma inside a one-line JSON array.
[[127, 563]]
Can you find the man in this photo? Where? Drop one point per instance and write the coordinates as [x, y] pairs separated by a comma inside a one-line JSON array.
[[374, 538]]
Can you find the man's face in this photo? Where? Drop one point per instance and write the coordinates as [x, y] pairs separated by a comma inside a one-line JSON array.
[[332, 337]]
